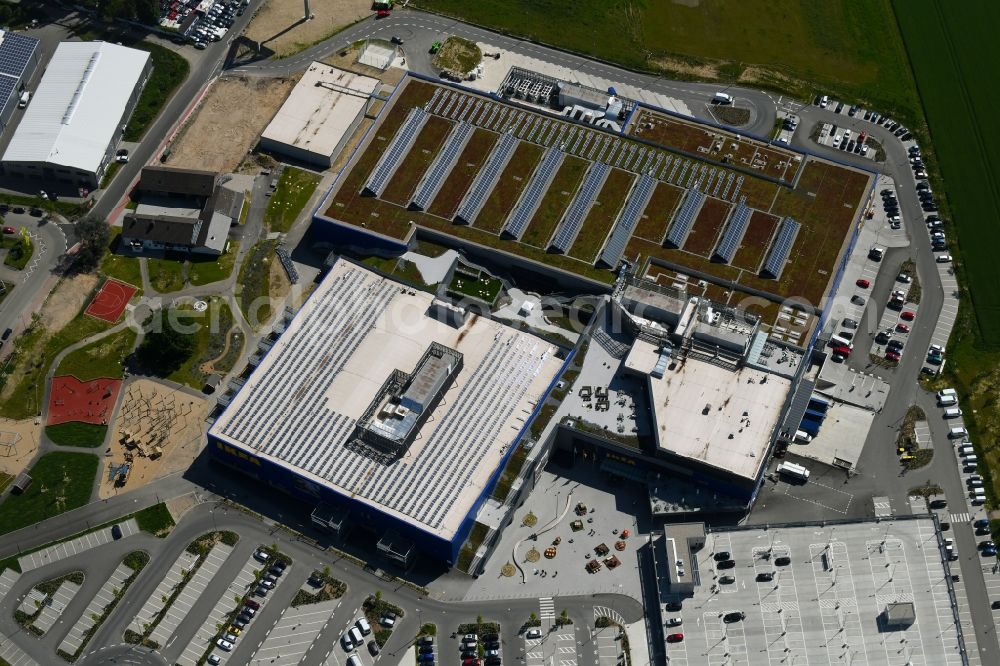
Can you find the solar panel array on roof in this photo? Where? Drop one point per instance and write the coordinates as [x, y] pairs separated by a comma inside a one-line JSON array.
[[484, 182], [393, 155], [681, 226], [7, 85], [285, 411], [432, 180], [627, 221], [519, 218], [16, 50], [781, 248], [733, 235], [577, 211]]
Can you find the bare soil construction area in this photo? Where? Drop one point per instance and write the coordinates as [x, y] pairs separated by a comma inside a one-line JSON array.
[[228, 122], [279, 25]]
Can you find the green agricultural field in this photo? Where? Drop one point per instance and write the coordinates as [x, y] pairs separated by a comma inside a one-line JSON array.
[[847, 46], [61, 481], [959, 95]]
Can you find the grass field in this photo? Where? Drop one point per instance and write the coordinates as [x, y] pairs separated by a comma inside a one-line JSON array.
[[169, 70], [205, 270], [290, 196], [847, 46], [74, 433], [61, 481], [103, 358], [119, 266], [959, 95], [254, 282], [210, 340], [165, 275], [19, 251]]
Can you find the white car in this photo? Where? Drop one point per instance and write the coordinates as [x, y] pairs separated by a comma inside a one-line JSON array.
[[904, 277], [943, 258], [534, 633], [224, 644], [261, 555], [674, 622]]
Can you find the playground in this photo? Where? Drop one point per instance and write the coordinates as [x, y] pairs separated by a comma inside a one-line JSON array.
[[18, 445], [86, 402], [110, 301], [157, 431]]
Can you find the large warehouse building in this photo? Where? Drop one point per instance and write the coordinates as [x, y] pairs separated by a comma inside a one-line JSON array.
[[76, 117], [18, 62], [320, 115], [387, 409]]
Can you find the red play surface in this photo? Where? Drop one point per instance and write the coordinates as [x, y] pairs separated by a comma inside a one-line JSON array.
[[89, 402], [110, 301]]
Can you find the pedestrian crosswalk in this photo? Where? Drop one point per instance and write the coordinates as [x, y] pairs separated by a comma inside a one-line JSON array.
[[960, 517], [546, 608]]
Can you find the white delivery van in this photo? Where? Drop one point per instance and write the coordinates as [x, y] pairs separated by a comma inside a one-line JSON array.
[[966, 450], [952, 413], [972, 459], [793, 470], [947, 400], [24, 99], [722, 98], [958, 432], [839, 341], [976, 483], [356, 636], [803, 437]]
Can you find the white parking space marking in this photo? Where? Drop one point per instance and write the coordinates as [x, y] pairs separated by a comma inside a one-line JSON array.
[[74, 639], [191, 592], [75, 546], [13, 655], [223, 607], [154, 604], [51, 611], [292, 636]]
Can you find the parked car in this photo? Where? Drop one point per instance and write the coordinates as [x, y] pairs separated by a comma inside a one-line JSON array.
[[734, 616], [261, 555], [727, 580], [765, 576], [537, 633], [674, 621], [863, 283], [675, 638], [892, 356], [224, 645], [782, 561], [907, 315], [373, 648]]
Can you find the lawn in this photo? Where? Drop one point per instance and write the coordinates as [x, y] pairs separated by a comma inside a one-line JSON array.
[[484, 288], [41, 347], [508, 188], [75, 433], [19, 251], [61, 481], [210, 340], [169, 71], [165, 275], [790, 48], [289, 198], [118, 266], [102, 358], [458, 55], [205, 270], [555, 201], [255, 282]]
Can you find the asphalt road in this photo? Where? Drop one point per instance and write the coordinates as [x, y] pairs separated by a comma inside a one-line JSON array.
[[30, 284], [419, 30]]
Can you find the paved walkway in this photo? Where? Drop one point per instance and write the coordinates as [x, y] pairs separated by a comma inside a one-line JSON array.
[[74, 546]]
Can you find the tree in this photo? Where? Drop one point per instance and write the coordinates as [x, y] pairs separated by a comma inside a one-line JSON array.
[[93, 234], [164, 351]]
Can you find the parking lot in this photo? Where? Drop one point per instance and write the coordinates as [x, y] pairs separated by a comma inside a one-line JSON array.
[[191, 593], [292, 637], [71, 643], [74, 546], [827, 604], [171, 579], [555, 648], [224, 606]]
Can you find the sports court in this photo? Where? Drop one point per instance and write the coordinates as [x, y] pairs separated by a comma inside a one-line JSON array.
[[86, 402], [110, 301]]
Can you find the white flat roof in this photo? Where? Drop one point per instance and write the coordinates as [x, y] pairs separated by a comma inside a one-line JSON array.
[[320, 109], [300, 406], [78, 107], [721, 437]]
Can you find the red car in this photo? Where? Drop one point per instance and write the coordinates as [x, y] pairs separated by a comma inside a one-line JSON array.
[[863, 283], [907, 316], [902, 328], [892, 356], [675, 638], [9, 230], [843, 351], [382, 13]]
